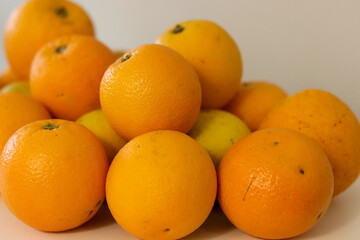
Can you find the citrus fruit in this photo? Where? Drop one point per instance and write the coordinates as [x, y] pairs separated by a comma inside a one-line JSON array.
[[66, 74], [150, 88], [217, 131], [161, 185], [37, 22], [17, 86], [52, 174], [17, 110], [275, 183], [326, 119], [214, 55], [97, 123], [7, 76], [254, 100]]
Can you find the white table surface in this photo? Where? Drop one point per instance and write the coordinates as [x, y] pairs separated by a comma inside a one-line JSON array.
[[341, 222]]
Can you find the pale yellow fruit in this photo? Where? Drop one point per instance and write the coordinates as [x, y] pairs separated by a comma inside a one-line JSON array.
[[217, 131], [18, 86], [97, 123]]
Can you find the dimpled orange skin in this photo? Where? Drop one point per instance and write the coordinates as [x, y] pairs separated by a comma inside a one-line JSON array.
[[254, 100], [8, 76], [326, 119], [150, 88], [66, 74], [53, 180], [17, 110], [161, 185], [214, 55], [37, 22], [275, 184]]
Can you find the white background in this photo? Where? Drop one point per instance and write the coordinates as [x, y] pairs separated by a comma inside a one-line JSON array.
[[297, 44]]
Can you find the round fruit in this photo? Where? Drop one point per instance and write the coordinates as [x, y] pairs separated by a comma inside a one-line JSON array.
[[326, 119], [161, 185], [150, 88], [18, 86], [17, 110], [254, 100], [8, 76], [52, 174], [275, 183], [214, 55], [97, 123], [37, 22], [217, 131], [66, 73]]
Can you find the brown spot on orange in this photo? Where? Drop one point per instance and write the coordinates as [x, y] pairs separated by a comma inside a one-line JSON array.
[[60, 49], [62, 12]]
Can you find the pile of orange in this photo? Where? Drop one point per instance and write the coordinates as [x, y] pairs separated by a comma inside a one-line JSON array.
[[103, 124]]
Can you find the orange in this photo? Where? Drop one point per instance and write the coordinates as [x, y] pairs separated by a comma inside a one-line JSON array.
[[17, 110], [37, 22], [214, 55], [8, 76], [326, 119], [52, 174], [161, 185], [66, 74], [150, 88], [254, 100], [275, 184]]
